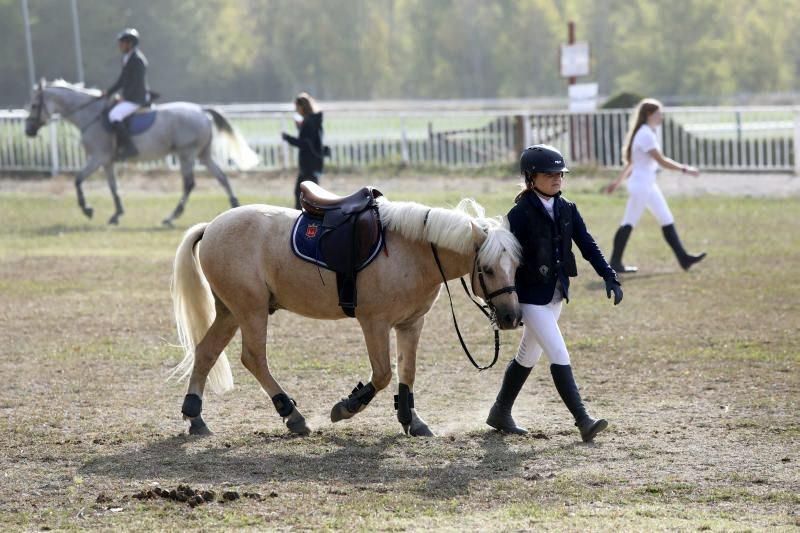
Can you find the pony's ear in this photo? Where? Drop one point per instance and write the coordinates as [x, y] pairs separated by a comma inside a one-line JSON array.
[[478, 236]]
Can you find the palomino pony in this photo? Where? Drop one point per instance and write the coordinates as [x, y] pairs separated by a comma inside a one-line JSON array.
[[231, 273], [179, 128]]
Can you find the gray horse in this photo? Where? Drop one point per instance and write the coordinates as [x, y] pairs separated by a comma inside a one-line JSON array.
[[180, 128]]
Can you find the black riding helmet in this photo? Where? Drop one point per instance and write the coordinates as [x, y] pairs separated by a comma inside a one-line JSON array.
[[129, 34], [541, 158]]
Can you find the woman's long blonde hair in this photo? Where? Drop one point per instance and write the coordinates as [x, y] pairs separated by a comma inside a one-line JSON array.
[[646, 107], [305, 102]]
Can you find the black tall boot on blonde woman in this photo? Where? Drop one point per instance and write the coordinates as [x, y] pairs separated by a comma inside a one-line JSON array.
[[620, 241], [568, 390], [500, 414], [685, 259]]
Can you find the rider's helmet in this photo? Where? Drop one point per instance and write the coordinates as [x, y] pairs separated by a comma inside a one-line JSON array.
[[541, 158], [129, 34]]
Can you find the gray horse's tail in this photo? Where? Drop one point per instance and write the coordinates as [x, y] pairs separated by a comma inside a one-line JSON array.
[[241, 153], [194, 309]]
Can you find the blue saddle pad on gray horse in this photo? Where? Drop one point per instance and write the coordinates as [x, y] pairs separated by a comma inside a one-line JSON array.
[[137, 123], [307, 243]]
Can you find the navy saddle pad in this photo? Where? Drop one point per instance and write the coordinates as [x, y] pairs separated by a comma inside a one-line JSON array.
[[136, 123], [306, 242]]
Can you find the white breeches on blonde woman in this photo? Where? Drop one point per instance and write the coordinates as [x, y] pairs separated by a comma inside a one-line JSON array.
[[122, 110], [542, 334], [643, 196]]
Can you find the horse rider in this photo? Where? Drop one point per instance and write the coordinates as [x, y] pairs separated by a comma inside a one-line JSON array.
[[132, 83]]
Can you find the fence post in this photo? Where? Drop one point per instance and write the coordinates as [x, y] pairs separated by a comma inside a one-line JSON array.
[[797, 141], [403, 141], [53, 149], [526, 130]]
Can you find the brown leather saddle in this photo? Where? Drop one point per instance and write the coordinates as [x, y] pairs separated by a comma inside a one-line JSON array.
[[350, 230]]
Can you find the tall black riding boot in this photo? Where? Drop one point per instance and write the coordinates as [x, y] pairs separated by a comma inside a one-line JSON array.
[[620, 241], [500, 413], [686, 260], [125, 147], [568, 390]]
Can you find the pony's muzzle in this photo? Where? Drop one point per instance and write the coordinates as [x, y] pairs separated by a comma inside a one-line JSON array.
[[508, 317]]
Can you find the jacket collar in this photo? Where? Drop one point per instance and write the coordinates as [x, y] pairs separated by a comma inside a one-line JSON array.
[[533, 199]]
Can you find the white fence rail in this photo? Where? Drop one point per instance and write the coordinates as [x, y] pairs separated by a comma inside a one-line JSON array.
[[752, 139]]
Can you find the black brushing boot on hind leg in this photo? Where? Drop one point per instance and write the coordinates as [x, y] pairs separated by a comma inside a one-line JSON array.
[[191, 409], [500, 414], [685, 259], [285, 406], [620, 241], [568, 390]]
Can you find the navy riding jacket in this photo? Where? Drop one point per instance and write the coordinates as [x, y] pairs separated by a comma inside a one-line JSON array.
[[132, 81], [547, 256]]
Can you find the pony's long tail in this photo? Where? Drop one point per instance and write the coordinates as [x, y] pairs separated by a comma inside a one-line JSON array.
[[241, 153], [193, 303]]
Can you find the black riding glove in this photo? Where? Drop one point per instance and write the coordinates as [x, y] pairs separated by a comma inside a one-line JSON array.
[[612, 285]]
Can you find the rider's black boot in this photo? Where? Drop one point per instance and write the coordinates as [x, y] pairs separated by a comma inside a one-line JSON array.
[[568, 390], [620, 241], [685, 259], [125, 147], [500, 414]]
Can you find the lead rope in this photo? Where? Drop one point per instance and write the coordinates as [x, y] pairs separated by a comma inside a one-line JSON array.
[[455, 321]]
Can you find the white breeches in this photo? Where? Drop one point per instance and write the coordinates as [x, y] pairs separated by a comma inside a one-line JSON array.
[[122, 110], [541, 333], [641, 196]]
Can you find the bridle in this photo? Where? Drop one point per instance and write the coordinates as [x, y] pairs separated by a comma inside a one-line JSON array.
[[488, 309], [40, 104]]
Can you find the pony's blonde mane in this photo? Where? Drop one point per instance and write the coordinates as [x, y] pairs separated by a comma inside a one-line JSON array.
[[78, 88], [451, 228]]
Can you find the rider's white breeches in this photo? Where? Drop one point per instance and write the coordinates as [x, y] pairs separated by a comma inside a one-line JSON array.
[[541, 333], [122, 110], [646, 195]]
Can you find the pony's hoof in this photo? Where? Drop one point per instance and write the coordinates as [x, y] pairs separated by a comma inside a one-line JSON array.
[[88, 211], [234, 202], [113, 221], [298, 425], [198, 427], [421, 430], [340, 412], [167, 223]]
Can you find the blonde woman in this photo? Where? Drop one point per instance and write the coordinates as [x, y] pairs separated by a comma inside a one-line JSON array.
[[311, 151], [642, 157]]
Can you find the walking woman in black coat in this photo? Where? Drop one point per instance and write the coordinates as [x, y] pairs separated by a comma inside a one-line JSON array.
[[546, 225], [308, 141]]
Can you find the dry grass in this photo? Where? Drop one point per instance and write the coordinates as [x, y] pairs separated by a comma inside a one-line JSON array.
[[697, 374]]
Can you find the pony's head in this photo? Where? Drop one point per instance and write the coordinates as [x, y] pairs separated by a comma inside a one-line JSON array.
[[58, 96], [497, 256]]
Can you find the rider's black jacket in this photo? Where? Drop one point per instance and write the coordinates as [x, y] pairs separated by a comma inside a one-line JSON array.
[[309, 142], [547, 248], [132, 81]]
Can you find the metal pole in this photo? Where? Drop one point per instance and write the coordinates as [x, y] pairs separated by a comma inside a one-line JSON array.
[[28, 43], [571, 40], [797, 141], [76, 29]]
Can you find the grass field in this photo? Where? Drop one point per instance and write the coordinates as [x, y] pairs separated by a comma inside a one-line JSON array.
[[696, 372]]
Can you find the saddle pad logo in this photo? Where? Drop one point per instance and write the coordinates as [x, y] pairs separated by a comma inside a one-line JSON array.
[[311, 231]]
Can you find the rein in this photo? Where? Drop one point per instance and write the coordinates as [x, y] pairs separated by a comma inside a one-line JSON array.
[[489, 314]]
